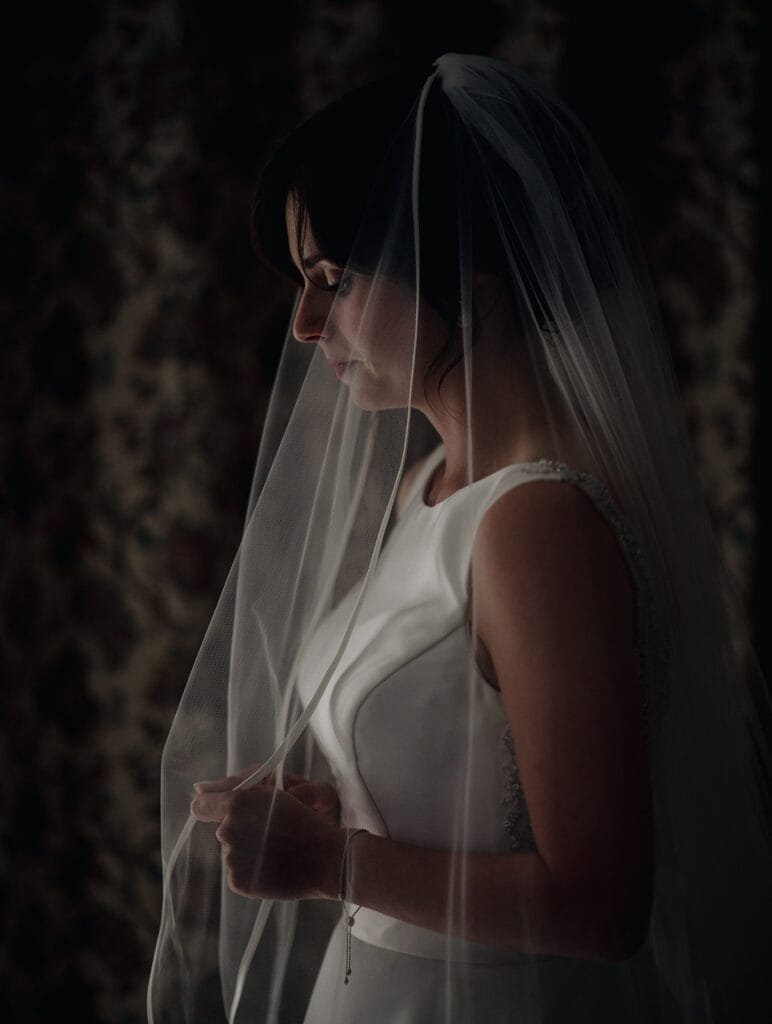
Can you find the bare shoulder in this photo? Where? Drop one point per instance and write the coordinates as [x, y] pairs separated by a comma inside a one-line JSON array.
[[548, 530], [408, 478], [550, 583]]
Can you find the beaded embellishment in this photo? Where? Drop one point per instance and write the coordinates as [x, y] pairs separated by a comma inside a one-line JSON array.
[[517, 822]]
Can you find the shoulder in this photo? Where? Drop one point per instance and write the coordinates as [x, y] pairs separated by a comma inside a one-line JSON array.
[[544, 546], [545, 520]]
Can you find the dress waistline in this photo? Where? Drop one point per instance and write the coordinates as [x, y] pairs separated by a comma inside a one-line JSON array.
[[389, 933]]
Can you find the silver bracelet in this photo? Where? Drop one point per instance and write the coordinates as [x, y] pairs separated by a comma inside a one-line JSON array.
[[348, 917]]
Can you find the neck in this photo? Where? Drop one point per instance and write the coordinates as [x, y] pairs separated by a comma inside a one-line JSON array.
[[511, 418]]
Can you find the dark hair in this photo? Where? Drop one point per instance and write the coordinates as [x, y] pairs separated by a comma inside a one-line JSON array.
[[345, 167]]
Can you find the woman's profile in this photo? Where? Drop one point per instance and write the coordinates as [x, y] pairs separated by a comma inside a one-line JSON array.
[[472, 675]]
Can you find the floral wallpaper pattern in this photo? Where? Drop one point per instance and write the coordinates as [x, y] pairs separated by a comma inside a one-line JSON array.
[[138, 348]]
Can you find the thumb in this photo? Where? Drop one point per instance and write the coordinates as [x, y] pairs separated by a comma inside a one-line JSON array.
[[316, 795], [217, 785], [210, 806]]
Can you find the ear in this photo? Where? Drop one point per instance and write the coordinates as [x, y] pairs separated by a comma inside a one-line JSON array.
[[484, 278], [487, 289]]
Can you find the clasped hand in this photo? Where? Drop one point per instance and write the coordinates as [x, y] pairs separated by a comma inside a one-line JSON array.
[[276, 844]]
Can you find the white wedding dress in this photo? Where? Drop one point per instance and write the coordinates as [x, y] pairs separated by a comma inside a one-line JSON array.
[[393, 725]]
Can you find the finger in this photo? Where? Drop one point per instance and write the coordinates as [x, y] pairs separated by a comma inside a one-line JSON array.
[[229, 782], [307, 793], [288, 780], [319, 796], [291, 779], [210, 806], [216, 785]]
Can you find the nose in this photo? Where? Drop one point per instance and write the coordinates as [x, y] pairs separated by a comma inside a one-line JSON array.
[[311, 314]]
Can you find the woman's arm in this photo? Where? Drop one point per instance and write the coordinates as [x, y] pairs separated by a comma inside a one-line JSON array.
[[554, 607]]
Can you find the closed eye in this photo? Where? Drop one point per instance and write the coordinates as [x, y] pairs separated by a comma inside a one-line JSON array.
[[341, 285]]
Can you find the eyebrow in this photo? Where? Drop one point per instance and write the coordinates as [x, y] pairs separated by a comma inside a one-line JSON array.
[[309, 262]]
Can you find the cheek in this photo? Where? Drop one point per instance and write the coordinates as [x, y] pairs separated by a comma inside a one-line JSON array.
[[391, 335], [380, 326], [378, 314]]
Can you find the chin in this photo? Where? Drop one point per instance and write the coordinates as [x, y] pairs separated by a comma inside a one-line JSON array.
[[371, 404], [372, 397]]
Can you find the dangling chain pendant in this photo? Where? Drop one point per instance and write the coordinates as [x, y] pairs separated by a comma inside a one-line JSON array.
[[348, 918], [349, 923]]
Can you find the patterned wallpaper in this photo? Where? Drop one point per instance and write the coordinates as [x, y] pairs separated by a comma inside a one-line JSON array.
[[138, 349]]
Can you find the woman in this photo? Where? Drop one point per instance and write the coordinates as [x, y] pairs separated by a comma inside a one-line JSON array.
[[513, 655]]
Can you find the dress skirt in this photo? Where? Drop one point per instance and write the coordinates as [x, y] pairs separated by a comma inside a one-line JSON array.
[[387, 987]]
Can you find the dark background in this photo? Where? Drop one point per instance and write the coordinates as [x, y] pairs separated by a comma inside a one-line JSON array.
[[139, 341]]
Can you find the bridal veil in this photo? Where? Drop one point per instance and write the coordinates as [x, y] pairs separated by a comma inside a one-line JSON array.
[[467, 173]]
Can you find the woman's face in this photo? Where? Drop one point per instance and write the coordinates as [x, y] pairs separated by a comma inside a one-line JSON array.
[[364, 325]]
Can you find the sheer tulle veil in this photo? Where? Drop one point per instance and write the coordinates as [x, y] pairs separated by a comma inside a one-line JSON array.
[[481, 176]]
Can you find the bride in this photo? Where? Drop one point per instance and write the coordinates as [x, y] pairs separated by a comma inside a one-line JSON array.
[[471, 675]]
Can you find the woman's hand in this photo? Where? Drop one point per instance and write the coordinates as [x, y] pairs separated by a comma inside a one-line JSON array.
[[277, 844], [321, 796]]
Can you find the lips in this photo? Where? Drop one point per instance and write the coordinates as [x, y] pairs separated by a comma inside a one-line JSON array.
[[341, 365]]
